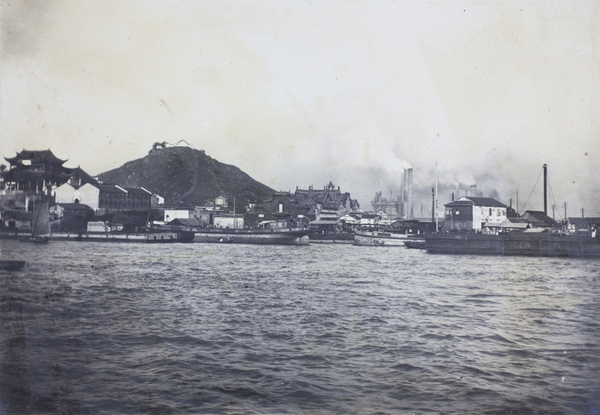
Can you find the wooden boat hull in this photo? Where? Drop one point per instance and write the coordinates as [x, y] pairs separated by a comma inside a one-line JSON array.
[[379, 238], [415, 244], [170, 237], [294, 236], [36, 239], [551, 245]]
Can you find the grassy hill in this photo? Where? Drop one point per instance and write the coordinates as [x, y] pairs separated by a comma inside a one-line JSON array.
[[184, 176]]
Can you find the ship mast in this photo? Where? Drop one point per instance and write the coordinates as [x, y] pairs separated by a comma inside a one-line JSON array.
[[436, 200], [545, 189]]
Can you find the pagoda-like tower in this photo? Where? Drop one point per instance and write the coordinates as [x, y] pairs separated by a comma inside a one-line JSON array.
[[35, 172]]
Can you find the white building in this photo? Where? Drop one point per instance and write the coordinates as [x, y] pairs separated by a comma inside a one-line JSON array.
[[230, 221], [104, 197], [473, 213], [178, 213]]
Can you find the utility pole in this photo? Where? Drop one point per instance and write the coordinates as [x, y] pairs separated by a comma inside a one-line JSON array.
[[433, 205], [436, 199]]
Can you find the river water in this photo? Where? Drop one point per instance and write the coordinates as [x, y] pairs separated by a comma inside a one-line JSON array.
[[111, 328]]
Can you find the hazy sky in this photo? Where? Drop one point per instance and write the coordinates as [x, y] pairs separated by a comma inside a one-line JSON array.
[[299, 93]]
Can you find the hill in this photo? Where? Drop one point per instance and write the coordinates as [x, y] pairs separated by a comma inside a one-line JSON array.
[[184, 176]]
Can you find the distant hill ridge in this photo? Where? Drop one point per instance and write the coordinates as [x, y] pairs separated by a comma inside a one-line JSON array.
[[185, 176]]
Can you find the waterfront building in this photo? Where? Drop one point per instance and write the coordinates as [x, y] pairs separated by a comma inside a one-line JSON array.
[[400, 207], [171, 214], [35, 172], [327, 203], [105, 198], [34, 176], [384, 207], [585, 226], [473, 213], [228, 221], [321, 208], [538, 219], [325, 206], [199, 216], [368, 219], [14, 220], [70, 217], [222, 202]]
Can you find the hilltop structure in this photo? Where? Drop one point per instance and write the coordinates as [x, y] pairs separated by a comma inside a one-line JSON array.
[[184, 177]]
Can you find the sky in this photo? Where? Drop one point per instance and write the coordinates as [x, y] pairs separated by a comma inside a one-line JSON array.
[[301, 93]]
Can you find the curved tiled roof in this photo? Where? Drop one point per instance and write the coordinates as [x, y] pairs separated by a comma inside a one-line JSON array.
[[35, 155]]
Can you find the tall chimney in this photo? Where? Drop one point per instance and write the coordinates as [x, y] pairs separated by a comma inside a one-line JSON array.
[[409, 214]]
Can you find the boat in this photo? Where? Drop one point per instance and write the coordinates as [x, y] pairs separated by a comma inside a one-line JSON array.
[[265, 236], [514, 243], [151, 236], [415, 244], [274, 232], [379, 237], [11, 265], [331, 237], [527, 242], [169, 237], [40, 225]]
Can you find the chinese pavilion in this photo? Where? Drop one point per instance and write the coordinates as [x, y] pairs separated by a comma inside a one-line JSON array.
[[36, 172]]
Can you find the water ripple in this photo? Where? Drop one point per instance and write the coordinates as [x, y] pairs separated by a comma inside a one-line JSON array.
[[94, 328]]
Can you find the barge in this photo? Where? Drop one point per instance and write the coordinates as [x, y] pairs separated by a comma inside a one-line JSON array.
[[513, 243]]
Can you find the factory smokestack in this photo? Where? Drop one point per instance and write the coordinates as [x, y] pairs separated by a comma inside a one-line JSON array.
[[407, 194]]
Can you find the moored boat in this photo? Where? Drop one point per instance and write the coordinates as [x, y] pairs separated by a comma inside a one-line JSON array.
[[266, 233], [540, 241], [169, 237], [286, 236], [35, 239], [40, 225], [331, 238], [415, 243], [513, 243], [377, 237]]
